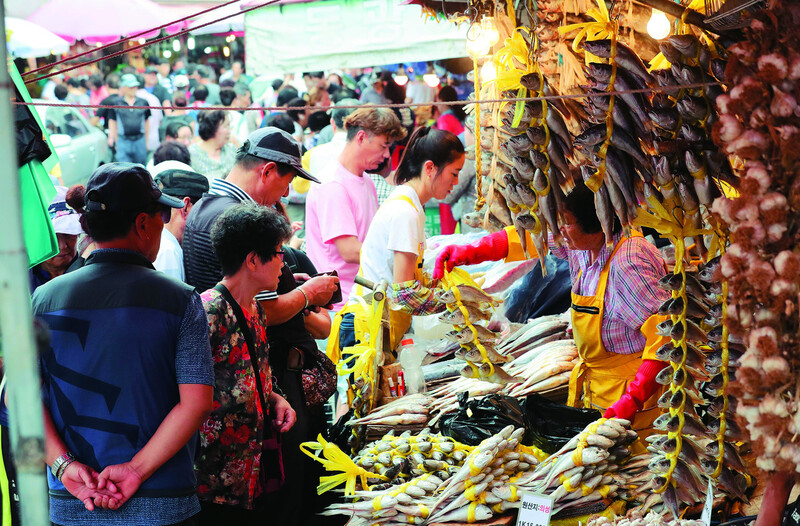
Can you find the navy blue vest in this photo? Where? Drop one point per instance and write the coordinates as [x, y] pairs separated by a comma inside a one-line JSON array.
[[109, 375]]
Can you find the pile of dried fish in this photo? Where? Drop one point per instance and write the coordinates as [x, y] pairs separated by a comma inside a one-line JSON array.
[[408, 456], [544, 357], [408, 413], [467, 305], [637, 518]]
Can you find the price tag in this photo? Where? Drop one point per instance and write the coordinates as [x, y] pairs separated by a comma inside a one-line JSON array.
[[534, 510], [705, 518]]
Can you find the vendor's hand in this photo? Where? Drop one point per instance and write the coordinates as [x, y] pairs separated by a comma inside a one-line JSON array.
[[451, 256], [296, 226], [301, 277], [320, 289], [624, 408], [285, 417]]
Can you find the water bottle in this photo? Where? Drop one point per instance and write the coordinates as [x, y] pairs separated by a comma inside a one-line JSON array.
[[411, 359]]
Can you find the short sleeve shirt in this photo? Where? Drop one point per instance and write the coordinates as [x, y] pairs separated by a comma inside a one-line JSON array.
[[130, 122], [342, 206]]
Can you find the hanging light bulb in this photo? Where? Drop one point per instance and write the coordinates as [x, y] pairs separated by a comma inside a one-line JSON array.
[[658, 26], [190, 42], [488, 71], [167, 53], [207, 50], [430, 77], [477, 43], [226, 51], [489, 29], [176, 45], [400, 77], [142, 41]]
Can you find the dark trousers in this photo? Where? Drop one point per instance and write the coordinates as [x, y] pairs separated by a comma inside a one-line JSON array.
[[9, 500], [191, 521]]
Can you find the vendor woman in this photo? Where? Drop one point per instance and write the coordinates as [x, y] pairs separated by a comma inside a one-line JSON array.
[[395, 242], [615, 300]]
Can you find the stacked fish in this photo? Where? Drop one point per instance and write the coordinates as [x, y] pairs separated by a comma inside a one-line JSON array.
[[697, 378], [543, 357], [408, 413], [408, 456], [639, 518], [467, 305]]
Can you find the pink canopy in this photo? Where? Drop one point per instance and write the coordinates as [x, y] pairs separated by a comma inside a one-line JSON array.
[[103, 21]]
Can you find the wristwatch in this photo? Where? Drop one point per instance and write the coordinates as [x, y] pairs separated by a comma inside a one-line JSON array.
[[61, 463]]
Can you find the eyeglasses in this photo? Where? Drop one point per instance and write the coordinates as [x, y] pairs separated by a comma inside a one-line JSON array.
[[281, 254]]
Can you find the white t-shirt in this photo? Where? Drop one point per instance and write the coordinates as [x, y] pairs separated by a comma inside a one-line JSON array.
[[170, 256], [397, 227]]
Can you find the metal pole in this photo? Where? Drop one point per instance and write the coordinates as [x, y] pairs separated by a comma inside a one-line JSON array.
[[16, 323]]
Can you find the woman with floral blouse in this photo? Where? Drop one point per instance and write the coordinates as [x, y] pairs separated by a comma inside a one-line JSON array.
[[247, 239]]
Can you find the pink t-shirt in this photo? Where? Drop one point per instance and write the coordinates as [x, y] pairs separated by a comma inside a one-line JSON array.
[[343, 205]]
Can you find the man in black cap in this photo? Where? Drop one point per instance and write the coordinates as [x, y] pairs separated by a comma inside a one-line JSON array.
[[265, 165], [128, 377], [178, 180]]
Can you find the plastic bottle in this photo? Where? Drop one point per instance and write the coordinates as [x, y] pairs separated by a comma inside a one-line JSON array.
[[411, 360]]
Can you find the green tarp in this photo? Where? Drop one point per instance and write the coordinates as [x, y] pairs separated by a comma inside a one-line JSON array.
[[36, 192]]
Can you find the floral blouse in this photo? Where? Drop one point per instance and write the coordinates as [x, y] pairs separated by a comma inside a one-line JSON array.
[[229, 457]]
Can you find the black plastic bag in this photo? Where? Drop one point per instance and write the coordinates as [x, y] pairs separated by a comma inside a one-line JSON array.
[[340, 432], [539, 295], [552, 425], [479, 419]]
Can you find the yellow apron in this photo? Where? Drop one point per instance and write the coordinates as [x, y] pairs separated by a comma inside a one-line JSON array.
[[600, 377], [399, 321]]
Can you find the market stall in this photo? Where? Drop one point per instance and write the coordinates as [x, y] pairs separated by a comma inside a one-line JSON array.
[[691, 143]]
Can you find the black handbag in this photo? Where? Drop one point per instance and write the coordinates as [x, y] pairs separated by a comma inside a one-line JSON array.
[[319, 378], [271, 472]]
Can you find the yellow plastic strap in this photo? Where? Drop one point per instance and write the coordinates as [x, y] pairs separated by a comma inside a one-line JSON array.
[[376, 504], [410, 519], [469, 493], [568, 486], [603, 490], [334, 459], [577, 456], [586, 490], [514, 497], [471, 512], [423, 510]]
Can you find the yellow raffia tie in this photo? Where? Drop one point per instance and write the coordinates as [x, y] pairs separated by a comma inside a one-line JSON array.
[[723, 423], [480, 201], [423, 510], [603, 490], [334, 459], [602, 27], [471, 512], [469, 493], [577, 456], [567, 486]]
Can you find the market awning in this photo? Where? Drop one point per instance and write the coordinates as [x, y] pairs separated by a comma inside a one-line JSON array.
[[338, 34], [26, 39]]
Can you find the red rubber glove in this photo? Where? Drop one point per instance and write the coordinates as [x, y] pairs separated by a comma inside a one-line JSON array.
[[642, 388], [488, 248]]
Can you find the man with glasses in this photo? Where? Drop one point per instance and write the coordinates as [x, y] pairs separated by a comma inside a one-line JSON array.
[[128, 375], [265, 165]]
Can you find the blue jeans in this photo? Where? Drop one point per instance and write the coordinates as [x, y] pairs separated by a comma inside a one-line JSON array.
[[132, 151]]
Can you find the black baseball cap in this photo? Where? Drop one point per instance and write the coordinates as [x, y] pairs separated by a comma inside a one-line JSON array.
[[181, 182], [124, 187], [274, 144]]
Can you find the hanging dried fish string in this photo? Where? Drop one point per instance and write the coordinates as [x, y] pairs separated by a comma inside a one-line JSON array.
[[480, 200], [724, 344]]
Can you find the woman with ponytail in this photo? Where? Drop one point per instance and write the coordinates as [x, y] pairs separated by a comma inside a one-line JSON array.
[[395, 242]]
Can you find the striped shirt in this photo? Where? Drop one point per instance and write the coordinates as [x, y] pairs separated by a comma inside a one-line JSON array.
[[632, 292], [202, 268]]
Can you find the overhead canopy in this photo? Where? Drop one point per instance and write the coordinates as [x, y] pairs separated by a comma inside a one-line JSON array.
[[339, 34], [102, 21], [233, 24], [26, 39]]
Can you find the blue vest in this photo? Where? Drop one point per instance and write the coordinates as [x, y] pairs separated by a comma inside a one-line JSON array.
[[109, 375]]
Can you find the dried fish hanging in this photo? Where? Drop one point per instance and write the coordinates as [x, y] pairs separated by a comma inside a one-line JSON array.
[[363, 373], [613, 145], [535, 144], [467, 304]]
